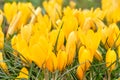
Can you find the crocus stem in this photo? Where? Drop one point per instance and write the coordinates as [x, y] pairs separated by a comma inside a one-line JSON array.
[[109, 73]]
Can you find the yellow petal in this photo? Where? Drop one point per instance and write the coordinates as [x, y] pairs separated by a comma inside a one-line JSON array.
[[1, 39], [98, 55], [118, 53], [26, 32], [23, 74]]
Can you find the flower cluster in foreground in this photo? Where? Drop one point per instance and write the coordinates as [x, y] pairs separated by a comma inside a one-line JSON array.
[[56, 38]]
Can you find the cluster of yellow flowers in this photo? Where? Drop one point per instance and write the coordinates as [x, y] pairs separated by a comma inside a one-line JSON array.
[[51, 37]]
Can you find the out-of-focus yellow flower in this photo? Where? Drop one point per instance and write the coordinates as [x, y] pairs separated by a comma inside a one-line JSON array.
[[54, 36], [10, 10], [88, 19], [2, 63], [98, 55], [1, 33], [23, 74], [71, 47], [109, 36], [118, 50], [37, 12], [113, 34], [13, 24], [60, 2], [51, 62], [85, 57], [1, 19], [53, 9], [110, 59], [90, 39], [112, 10], [72, 4], [62, 60], [80, 72], [25, 9], [20, 18], [26, 32], [70, 22]]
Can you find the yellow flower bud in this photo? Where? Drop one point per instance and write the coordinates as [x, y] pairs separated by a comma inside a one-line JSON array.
[[80, 72], [62, 60], [85, 57], [71, 47], [51, 62], [110, 59]]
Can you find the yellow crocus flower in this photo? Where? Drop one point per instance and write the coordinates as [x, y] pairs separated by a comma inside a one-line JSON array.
[[20, 18], [1, 33], [80, 72], [53, 9], [62, 60], [2, 63], [51, 62], [42, 27], [110, 35], [10, 10], [39, 47], [112, 10], [110, 59], [90, 18], [13, 24], [23, 74], [71, 47], [70, 22], [25, 9], [90, 39], [85, 57], [24, 52], [53, 38]]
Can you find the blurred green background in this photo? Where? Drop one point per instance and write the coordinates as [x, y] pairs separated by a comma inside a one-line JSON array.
[[80, 3]]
